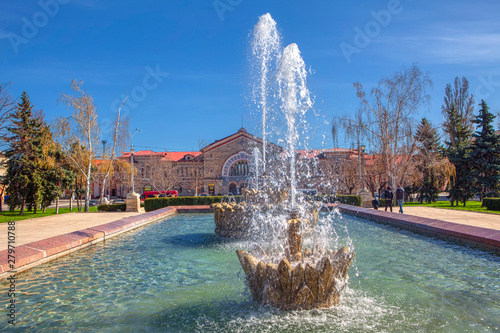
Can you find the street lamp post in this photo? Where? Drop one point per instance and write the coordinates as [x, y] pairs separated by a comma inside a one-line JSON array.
[[132, 158], [132, 203], [364, 193], [364, 167]]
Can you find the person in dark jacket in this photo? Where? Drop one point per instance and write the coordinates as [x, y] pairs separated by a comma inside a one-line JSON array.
[[388, 198], [375, 202], [400, 197]]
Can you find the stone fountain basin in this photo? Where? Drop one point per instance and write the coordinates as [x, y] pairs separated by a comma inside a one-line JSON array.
[[316, 281]]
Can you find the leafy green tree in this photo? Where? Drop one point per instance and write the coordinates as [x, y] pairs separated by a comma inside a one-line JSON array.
[[21, 156], [30, 158], [458, 112], [485, 154], [458, 152]]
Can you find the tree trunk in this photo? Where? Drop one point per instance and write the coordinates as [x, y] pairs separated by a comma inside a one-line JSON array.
[[57, 205], [87, 187], [21, 212], [103, 189], [1, 198], [71, 201]]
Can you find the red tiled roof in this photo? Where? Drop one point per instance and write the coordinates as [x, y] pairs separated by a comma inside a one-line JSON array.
[[179, 155], [165, 156]]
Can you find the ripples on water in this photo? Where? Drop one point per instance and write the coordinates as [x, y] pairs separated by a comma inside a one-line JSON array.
[[178, 276]]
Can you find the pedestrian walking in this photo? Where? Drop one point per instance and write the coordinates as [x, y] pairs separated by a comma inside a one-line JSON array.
[[375, 202], [388, 198], [400, 197]]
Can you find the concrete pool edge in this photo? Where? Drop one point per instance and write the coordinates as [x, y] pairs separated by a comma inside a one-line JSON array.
[[488, 239], [36, 253]]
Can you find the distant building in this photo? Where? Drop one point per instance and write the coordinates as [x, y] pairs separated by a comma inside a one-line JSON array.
[[223, 167]]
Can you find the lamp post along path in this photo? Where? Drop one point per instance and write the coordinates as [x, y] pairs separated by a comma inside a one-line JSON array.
[[366, 196], [133, 199]]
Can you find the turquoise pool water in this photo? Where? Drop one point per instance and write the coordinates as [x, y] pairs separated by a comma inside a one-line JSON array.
[[178, 276]]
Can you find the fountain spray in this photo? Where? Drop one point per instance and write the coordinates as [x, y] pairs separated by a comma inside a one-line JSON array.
[[266, 50]]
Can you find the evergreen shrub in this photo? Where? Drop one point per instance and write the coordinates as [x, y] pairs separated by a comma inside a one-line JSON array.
[[121, 207], [157, 203], [354, 200], [491, 203]]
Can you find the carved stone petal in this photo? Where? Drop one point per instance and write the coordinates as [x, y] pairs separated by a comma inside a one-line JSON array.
[[341, 253], [271, 296], [285, 275], [311, 278], [260, 273], [324, 270], [257, 283], [272, 277], [304, 297], [241, 254], [297, 279], [250, 265]]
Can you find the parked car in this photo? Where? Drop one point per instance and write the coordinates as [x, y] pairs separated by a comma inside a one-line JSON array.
[[157, 194], [93, 202], [118, 201]]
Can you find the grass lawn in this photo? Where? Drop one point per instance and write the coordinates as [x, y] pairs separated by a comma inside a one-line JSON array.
[[472, 206], [14, 216]]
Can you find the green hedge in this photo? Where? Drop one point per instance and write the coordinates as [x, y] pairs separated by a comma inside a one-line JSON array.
[[114, 207], [157, 203], [354, 200], [491, 203], [382, 202]]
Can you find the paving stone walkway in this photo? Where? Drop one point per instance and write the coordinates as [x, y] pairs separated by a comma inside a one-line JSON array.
[[483, 220], [32, 230]]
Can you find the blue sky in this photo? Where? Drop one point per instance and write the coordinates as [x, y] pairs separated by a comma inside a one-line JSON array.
[[187, 61]]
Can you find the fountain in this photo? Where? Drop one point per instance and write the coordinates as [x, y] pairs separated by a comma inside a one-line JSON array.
[[281, 274]]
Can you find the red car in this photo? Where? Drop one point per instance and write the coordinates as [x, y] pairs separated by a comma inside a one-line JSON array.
[[158, 194]]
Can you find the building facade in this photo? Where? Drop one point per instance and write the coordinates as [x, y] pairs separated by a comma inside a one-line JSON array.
[[224, 166]]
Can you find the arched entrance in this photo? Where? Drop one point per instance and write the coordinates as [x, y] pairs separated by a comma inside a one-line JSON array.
[[232, 189]]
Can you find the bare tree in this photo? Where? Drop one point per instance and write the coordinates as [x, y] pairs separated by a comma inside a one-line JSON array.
[[458, 99], [120, 130], [78, 134], [7, 105], [386, 118], [161, 173]]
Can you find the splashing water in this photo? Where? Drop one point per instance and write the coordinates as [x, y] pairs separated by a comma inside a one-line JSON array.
[[295, 99], [266, 52]]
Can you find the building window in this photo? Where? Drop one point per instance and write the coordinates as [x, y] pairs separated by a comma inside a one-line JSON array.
[[142, 172], [239, 168]]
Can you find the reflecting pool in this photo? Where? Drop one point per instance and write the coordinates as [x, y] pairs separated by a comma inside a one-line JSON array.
[[177, 275]]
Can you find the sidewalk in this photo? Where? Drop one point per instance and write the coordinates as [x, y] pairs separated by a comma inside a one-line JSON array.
[[32, 230], [483, 220]]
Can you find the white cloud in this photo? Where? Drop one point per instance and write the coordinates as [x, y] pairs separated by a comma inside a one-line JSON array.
[[442, 45]]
